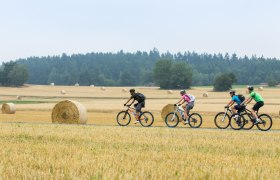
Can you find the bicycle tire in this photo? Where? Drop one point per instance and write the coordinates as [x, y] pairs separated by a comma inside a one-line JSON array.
[[195, 120], [236, 124], [248, 122], [169, 117], [123, 118], [268, 119], [148, 119], [217, 119]]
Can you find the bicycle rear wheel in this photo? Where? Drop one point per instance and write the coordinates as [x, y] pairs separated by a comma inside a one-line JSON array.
[[266, 122], [248, 122], [195, 120], [146, 119], [123, 118], [222, 120], [236, 121], [171, 120]]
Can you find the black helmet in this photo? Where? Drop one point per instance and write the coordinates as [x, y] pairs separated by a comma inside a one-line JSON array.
[[250, 88], [132, 90], [182, 92], [232, 92]]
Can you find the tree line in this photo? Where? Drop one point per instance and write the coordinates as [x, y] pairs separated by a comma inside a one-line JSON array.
[[132, 69]]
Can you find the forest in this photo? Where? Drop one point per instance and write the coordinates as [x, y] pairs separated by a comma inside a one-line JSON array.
[[135, 69]]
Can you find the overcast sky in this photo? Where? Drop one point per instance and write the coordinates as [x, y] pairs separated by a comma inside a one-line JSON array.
[[52, 27]]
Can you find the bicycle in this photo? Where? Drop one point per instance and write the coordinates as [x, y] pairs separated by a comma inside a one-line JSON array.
[[194, 120], [222, 119], [265, 120], [124, 117]]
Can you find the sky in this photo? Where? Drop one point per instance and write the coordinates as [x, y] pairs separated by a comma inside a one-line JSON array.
[[52, 27]]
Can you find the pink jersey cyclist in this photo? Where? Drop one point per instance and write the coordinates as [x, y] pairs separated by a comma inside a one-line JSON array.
[[190, 103]]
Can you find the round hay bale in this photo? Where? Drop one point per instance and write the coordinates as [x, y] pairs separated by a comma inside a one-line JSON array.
[[51, 84], [205, 94], [124, 90], [103, 88], [62, 92], [169, 92], [92, 85], [77, 84], [69, 112], [167, 109], [19, 97], [260, 88], [8, 108]]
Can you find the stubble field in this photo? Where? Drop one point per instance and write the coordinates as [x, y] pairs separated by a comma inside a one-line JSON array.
[[34, 147]]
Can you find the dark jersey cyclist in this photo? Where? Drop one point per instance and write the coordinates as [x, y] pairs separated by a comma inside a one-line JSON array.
[[234, 99], [140, 98], [259, 102]]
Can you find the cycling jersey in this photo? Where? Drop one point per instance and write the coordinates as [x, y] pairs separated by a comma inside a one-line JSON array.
[[188, 97], [256, 96], [236, 99]]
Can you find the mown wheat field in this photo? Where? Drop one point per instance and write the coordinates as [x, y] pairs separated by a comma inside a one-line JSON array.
[[33, 147]]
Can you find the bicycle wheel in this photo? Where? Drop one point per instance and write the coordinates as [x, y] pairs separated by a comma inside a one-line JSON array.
[[248, 123], [146, 119], [195, 120], [123, 118], [266, 122], [236, 121], [222, 120], [171, 120]]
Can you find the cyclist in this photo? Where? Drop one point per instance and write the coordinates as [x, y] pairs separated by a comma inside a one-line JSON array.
[[140, 98], [237, 100], [190, 104], [259, 102]]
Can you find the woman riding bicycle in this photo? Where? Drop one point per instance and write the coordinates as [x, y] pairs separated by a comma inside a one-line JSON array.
[[237, 100], [190, 104]]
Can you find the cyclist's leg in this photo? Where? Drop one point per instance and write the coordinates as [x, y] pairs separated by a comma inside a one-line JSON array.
[[256, 108], [234, 109], [138, 108], [189, 106]]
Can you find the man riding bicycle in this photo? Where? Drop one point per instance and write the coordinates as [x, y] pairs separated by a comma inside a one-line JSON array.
[[140, 98], [259, 102], [190, 104], [237, 100]]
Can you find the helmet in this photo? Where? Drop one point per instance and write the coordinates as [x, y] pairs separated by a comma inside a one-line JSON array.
[[132, 90], [250, 88], [232, 92], [182, 92]]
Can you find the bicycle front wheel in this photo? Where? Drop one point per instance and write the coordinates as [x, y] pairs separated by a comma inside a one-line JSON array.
[[222, 120], [123, 118], [236, 121], [248, 122], [266, 122], [195, 120], [146, 119], [171, 120]]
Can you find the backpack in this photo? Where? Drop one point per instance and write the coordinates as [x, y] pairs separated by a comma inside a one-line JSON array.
[[241, 97], [141, 96]]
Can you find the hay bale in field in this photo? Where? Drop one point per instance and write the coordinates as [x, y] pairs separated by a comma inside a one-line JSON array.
[[167, 109], [169, 92], [103, 88], [260, 88], [77, 84], [205, 94], [124, 90], [19, 97], [8, 108], [62, 92], [92, 85], [69, 112], [51, 84]]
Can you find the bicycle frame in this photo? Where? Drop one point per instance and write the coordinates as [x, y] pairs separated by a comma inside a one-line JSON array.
[[132, 110], [226, 112]]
